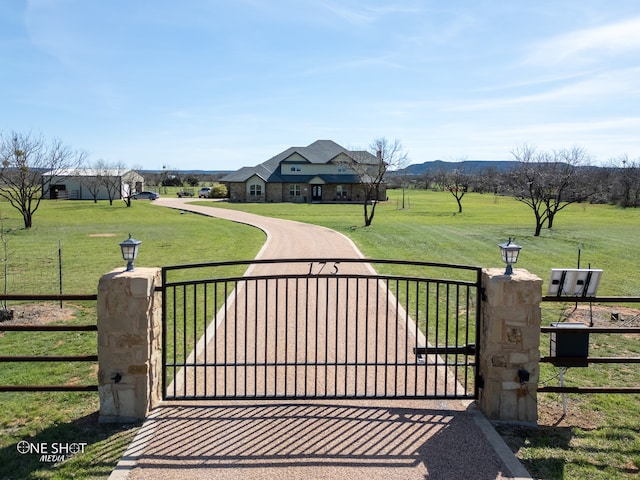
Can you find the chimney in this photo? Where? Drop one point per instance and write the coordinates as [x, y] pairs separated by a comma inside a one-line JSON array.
[[379, 155]]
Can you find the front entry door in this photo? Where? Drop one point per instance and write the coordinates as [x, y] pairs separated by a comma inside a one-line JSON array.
[[316, 193]]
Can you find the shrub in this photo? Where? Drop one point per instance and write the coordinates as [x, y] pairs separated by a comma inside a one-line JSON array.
[[218, 190]]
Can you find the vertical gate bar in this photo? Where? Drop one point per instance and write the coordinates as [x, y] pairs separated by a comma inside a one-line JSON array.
[[326, 335], [416, 316], [295, 347], [175, 342], [386, 339], [275, 353], [184, 340], [427, 305], [346, 337], [266, 336], [315, 386], [377, 331], [206, 327], [163, 276], [215, 342], [336, 351], [234, 368], [366, 337], [255, 335], [397, 339], [446, 340], [437, 335], [466, 341], [195, 338], [306, 336], [357, 336], [286, 336], [225, 341], [406, 339], [477, 372], [245, 357], [457, 342]]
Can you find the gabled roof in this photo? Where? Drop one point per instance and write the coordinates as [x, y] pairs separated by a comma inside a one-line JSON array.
[[88, 172], [319, 152], [245, 173]]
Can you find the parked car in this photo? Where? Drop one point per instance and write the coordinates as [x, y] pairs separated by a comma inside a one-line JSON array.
[[145, 196], [185, 193], [204, 192]]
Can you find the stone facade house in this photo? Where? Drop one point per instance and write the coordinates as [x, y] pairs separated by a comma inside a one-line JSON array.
[[321, 172]]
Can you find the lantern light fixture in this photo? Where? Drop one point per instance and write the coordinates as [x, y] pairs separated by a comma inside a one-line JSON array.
[[510, 252], [129, 249]]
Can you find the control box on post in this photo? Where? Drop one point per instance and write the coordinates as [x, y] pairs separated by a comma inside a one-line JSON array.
[[571, 342]]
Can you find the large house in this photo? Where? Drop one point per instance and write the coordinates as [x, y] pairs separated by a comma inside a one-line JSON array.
[[87, 183], [321, 172]]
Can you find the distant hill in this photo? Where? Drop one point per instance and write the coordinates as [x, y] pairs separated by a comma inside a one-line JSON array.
[[466, 166]]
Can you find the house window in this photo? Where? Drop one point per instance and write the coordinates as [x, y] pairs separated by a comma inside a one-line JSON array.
[[294, 190], [255, 190], [295, 168], [341, 191]]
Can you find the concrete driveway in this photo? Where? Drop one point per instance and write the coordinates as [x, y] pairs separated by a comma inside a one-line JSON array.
[[372, 439]]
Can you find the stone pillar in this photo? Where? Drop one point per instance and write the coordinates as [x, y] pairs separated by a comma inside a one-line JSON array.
[[129, 344], [510, 345]]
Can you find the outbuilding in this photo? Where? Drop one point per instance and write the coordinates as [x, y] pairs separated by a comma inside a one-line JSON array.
[[92, 184]]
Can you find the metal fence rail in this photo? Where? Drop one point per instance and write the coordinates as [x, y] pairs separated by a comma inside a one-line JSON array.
[[585, 360], [48, 358], [319, 328]]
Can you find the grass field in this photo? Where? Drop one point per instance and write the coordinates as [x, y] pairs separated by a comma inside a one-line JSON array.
[[89, 234], [599, 438]]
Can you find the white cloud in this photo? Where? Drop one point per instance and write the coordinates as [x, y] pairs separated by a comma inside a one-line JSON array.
[[622, 83], [363, 14], [588, 45]]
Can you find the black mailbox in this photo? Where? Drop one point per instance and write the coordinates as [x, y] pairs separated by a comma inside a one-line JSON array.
[[571, 342]]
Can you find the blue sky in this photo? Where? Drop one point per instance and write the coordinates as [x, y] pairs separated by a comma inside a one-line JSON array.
[[216, 84]]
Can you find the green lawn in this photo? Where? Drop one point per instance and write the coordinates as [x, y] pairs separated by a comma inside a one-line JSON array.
[[89, 235], [600, 437], [431, 230]]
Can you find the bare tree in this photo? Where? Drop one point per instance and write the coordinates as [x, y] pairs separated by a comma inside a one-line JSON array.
[[111, 175], [456, 183], [548, 182], [371, 166], [626, 182], [566, 181], [93, 181], [24, 160]]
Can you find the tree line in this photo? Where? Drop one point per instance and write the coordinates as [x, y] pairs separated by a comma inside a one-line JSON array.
[[546, 181]]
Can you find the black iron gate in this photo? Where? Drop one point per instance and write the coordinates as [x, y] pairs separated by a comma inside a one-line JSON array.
[[320, 328]]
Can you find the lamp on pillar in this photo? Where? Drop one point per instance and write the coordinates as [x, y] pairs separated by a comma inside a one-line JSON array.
[[130, 251], [510, 252]]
